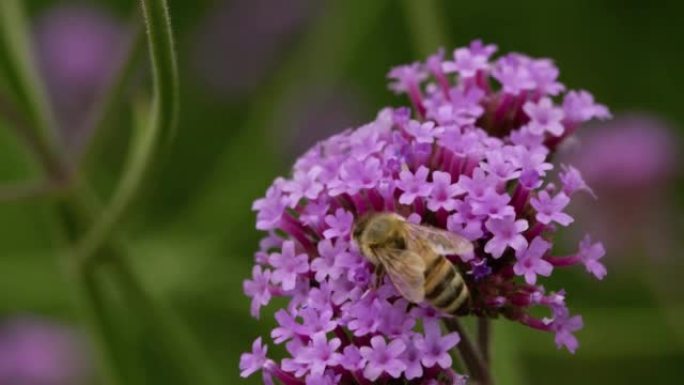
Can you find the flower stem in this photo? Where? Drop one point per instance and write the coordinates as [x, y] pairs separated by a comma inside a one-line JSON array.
[[150, 132], [469, 354], [30, 108], [164, 66], [78, 209], [484, 335]]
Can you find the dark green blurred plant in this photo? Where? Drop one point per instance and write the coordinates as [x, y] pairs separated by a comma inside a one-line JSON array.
[[189, 234], [87, 228]]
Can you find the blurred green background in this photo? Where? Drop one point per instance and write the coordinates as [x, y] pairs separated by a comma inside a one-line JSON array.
[[262, 80]]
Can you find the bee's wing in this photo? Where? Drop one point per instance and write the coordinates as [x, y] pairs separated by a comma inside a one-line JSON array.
[[406, 270], [440, 241]]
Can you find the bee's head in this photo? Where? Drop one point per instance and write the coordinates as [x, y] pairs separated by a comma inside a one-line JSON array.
[[360, 227], [375, 228]]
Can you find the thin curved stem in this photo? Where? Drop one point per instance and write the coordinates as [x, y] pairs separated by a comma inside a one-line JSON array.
[[469, 354], [21, 72], [150, 132], [142, 148], [164, 66]]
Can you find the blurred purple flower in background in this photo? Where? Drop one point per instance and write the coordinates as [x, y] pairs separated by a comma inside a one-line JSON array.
[[78, 49], [240, 41], [35, 351], [630, 152], [630, 163], [314, 114]]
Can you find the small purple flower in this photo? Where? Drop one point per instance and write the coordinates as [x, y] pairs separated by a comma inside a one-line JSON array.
[[254, 361], [493, 205], [331, 261], [435, 347], [340, 223], [591, 254], [406, 76], [383, 358], [502, 166], [287, 266], [314, 214], [467, 63], [479, 184], [270, 208], [514, 74], [545, 73], [564, 328], [320, 354], [412, 358], [579, 107], [465, 222], [544, 117], [356, 175], [351, 358], [316, 321], [443, 192], [551, 209], [413, 185], [572, 181], [304, 185], [286, 328], [423, 132], [531, 263], [507, 232], [532, 160], [259, 289]]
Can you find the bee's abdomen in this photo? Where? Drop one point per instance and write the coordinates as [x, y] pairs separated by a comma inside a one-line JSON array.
[[444, 286]]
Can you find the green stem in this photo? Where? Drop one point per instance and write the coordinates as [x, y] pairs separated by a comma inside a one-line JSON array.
[[484, 335], [425, 24], [164, 67], [148, 132], [20, 73], [72, 215], [470, 356], [177, 340], [77, 207], [101, 328], [143, 143]]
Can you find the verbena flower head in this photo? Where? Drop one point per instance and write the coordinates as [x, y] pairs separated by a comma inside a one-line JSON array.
[[472, 157], [36, 351]]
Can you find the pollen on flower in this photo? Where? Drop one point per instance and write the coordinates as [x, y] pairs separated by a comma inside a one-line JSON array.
[[473, 157]]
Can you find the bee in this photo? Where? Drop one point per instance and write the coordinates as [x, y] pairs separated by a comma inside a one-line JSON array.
[[413, 256]]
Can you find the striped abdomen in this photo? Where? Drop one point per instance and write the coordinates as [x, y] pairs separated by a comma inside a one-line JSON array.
[[444, 286]]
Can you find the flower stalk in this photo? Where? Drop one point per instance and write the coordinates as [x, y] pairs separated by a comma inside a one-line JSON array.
[[472, 356]]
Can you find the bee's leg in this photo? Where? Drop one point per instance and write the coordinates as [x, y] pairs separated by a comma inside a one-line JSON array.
[[378, 275]]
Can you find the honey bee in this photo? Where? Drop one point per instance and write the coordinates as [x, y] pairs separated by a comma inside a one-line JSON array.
[[413, 256]]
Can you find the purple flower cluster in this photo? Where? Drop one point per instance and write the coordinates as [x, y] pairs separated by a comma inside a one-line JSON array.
[[472, 157]]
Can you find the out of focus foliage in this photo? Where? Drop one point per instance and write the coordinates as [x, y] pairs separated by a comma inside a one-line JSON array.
[[262, 80]]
